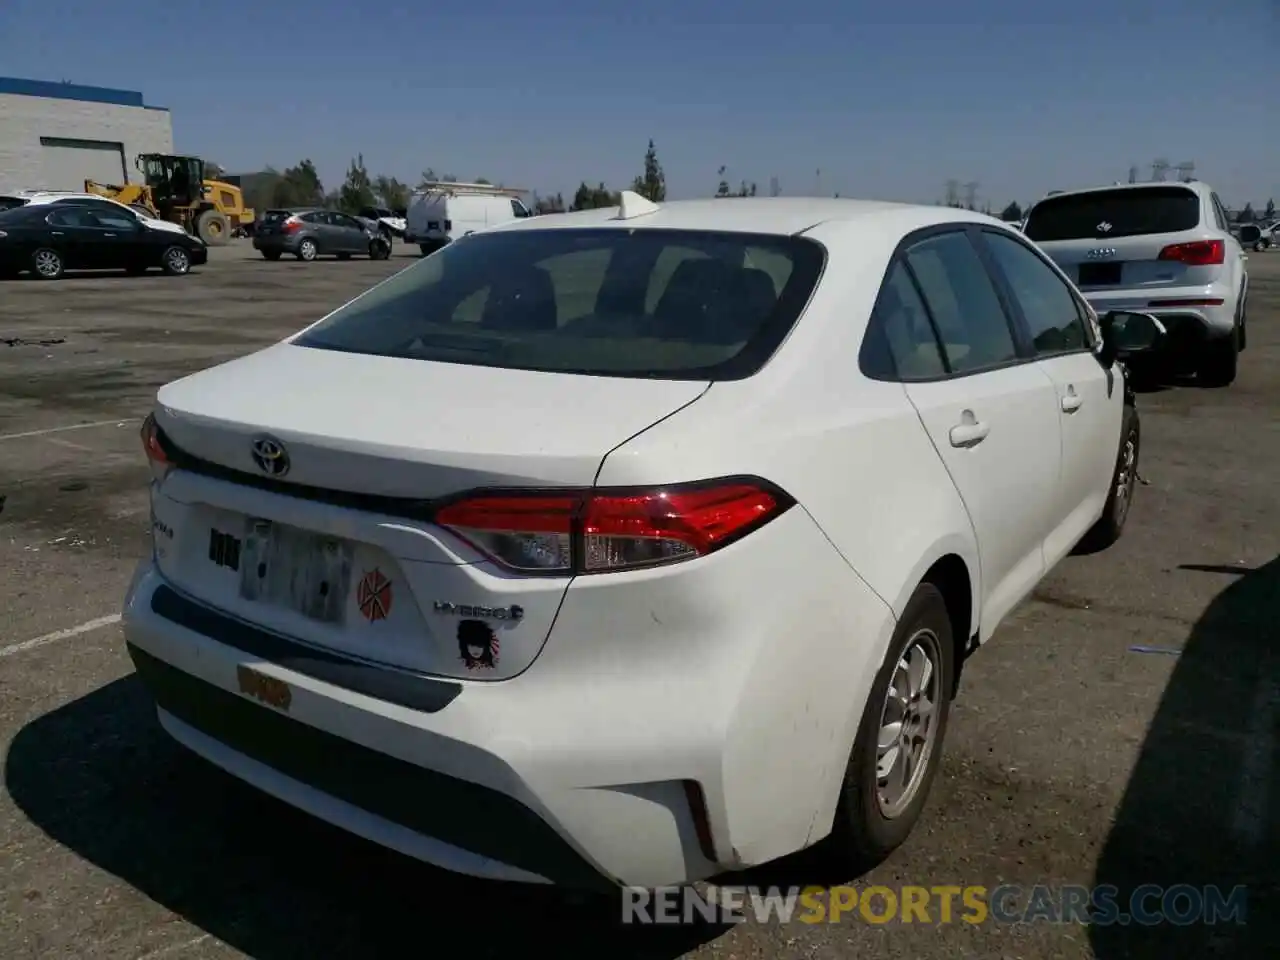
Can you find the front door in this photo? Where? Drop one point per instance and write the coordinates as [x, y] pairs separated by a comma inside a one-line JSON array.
[[1090, 397], [992, 417]]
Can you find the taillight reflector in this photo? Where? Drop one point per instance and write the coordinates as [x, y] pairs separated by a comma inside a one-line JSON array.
[[1200, 253], [602, 530]]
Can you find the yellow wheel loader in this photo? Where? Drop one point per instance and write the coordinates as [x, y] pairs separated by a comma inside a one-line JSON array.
[[175, 189]]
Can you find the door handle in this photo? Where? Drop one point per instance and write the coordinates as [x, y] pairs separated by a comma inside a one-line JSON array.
[[56, 233], [1071, 401], [970, 431]]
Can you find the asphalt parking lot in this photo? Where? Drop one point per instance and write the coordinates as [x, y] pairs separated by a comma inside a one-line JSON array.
[[1123, 727]]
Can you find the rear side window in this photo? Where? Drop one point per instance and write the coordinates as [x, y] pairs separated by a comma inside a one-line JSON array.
[[669, 304], [902, 322], [1127, 212], [275, 216], [963, 302]]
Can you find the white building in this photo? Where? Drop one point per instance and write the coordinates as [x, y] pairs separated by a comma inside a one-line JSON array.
[[54, 136]]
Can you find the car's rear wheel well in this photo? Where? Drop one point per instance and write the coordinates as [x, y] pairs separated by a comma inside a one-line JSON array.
[[951, 576]]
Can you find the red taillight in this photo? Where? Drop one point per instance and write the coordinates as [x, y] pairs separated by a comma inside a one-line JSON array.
[[1200, 253], [596, 531], [154, 448], [291, 225]]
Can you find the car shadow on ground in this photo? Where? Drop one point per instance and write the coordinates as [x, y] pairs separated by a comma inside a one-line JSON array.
[[102, 779], [1202, 807]]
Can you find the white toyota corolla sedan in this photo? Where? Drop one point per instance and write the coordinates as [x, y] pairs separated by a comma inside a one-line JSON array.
[[630, 546]]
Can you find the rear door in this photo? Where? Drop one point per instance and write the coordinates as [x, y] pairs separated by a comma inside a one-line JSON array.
[[348, 233], [76, 235], [1112, 239], [991, 414], [1090, 397]]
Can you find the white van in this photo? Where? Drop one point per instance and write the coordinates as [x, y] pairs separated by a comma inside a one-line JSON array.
[[441, 212]]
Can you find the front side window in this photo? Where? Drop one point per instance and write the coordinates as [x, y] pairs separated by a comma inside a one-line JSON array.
[[670, 304], [1048, 306], [963, 303]]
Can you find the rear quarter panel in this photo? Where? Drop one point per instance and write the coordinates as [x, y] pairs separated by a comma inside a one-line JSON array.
[[855, 456]]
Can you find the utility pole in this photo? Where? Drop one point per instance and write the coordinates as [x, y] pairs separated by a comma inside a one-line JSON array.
[[1133, 173], [971, 194], [953, 192]]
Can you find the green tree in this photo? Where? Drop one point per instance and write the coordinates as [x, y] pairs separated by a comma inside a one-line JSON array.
[[299, 186], [544, 205], [393, 194], [1011, 212], [594, 198], [430, 176], [1270, 211], [652, 184], [722, 190], [356, 192]]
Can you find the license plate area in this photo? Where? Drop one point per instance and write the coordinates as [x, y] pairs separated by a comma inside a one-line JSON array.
[[1100, 274], [295, 569]]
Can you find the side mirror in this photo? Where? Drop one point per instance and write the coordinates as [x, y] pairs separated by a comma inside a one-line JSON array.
[[1250, 234], [1125, 332]]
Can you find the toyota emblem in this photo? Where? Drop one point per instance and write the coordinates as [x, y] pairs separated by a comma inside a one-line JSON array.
[[270, 456]]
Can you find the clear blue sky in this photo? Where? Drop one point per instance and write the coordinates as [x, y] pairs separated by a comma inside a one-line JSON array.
[[1023, 97]]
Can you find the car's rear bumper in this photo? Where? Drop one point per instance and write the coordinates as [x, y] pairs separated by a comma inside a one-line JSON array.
[[577, 771], [1185, 311]]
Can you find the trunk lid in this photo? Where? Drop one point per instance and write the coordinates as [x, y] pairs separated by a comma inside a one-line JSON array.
[[1112, 238], [381, 588], [395, 427]]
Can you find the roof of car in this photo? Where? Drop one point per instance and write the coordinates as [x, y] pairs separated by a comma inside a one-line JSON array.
[[773, 215], [1195, 186]]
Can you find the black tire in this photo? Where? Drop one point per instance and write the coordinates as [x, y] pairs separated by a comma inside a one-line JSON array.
[[307, 250], [1124, 483], [213, 228], [1219, 360], [379, 249], [271, 254], [863, 834], [175, 261], [46, 264]]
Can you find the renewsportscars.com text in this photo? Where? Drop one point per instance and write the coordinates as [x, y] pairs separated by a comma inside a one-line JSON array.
[[1148, 905]]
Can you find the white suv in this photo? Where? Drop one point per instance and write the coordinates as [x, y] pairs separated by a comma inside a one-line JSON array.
[[1159, 248], [630, 545]]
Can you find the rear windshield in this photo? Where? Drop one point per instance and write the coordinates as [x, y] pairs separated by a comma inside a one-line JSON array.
[[11, 203], [1114, 213], [272, 216], [669, 304]]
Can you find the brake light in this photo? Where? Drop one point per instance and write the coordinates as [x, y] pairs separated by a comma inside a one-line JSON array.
[[602, 530], [292, 225], [153, 447], [1199, 253]]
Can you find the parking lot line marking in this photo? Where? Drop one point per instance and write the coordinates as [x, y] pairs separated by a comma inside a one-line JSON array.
[[1256, 773], [75, 426], [57, 635]]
